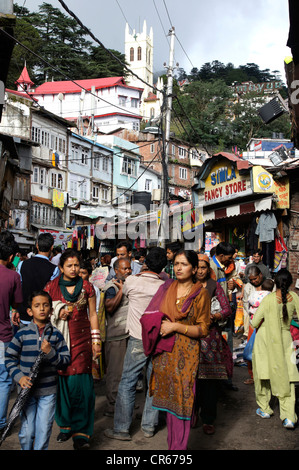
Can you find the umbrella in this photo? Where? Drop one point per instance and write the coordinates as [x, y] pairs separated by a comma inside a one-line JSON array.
[[24, 394]]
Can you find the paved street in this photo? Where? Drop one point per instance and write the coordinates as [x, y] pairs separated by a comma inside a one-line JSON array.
[[237, 427]]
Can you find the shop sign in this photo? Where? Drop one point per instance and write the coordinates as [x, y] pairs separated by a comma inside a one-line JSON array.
[[263, 182], [282, 191], [224, 182]]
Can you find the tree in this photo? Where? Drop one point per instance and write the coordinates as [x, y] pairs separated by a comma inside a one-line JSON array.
[[62, 48], [205, 105], [29, 36]]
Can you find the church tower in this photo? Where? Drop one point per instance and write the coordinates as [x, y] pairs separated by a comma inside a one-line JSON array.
[[139, 53], [24, 82]]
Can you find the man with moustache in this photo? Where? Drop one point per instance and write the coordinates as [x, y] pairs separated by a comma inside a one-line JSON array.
[[116, 311]]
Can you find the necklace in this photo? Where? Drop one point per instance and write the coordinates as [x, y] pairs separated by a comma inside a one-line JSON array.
[[178, 300]]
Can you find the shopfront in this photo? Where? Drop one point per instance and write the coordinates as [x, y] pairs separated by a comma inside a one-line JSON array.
[[239, 202]]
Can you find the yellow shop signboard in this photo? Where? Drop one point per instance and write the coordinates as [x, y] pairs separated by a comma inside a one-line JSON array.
[[225, 182], [263, 182]]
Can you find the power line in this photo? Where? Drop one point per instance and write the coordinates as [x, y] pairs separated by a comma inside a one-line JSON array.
[[107, 50], [171, 24], [62, 73]]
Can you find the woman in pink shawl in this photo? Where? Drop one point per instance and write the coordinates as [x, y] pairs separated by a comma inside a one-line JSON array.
[[179, 315]]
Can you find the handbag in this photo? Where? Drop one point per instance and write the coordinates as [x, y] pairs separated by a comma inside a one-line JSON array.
[[247, 353]]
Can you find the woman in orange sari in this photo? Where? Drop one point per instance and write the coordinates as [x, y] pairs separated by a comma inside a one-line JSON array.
[[184, 309]]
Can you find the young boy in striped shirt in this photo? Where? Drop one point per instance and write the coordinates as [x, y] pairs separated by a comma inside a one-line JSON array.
[[38, 416]]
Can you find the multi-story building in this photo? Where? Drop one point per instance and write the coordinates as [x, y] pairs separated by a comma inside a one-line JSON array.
[[99, 104], [90, 167]]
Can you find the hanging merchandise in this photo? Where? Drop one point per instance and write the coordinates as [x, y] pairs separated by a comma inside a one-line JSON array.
[[266, 231], [266, 227], [239, 317], [281, 253]]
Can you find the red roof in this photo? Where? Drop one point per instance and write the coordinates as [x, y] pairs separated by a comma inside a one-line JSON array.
[[19, 93], [24, 77], [241, 164], [76, 86]]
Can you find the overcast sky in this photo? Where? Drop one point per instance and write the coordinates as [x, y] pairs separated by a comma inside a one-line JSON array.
[[237, 31]]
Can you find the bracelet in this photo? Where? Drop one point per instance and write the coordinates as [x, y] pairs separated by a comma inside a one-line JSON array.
[[96, 342], [186, 330], [95, 331]]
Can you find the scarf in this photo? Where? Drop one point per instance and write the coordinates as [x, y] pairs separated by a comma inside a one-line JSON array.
[[78, 282], [165, 300]]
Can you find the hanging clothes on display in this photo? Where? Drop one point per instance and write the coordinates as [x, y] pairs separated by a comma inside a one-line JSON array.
[[266, 232], [281, 253]]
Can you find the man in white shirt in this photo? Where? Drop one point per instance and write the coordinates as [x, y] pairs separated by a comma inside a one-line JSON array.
[[139, 289]]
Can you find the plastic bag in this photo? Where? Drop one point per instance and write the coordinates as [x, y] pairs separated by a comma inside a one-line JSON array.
[[247, 353]]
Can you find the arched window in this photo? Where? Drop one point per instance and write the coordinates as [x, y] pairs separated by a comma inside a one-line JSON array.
[[139, 53], [132, 54]]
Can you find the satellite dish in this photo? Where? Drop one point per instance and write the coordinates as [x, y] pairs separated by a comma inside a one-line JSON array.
[[60, 96]]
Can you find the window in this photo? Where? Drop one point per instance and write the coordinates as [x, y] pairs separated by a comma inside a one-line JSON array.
[[132, 54], [95, 193], [122, 100], [75, 152], [129, 166], [57, 180], [134, 102], [62, 145], [136, 126], [104, 194], [183, 173], [105, 164], [139, 53], [42, 176], [182, 152], [152, 148], [148, 185], [73, 189], [83, 190], [96, 161], [152, 112], [35, 175], [84, 155]]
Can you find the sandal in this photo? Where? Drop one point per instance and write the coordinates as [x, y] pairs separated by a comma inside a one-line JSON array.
[[208, 429], [248, 382]]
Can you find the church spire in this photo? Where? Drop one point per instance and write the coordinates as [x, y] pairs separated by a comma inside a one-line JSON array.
[[24, 82]]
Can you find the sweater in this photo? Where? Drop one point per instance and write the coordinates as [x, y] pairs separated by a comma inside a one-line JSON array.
[[23, 350], [35, 273]]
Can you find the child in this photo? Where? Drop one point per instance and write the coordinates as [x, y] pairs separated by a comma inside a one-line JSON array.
[[257, 296], [38, 416], [254, 301]]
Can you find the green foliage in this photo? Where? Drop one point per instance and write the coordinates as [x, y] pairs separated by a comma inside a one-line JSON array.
[[58, 39]]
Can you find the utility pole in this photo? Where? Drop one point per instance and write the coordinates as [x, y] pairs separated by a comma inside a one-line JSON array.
[[164, 207]]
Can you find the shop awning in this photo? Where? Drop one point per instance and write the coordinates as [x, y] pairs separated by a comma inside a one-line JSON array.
[[239, 209]]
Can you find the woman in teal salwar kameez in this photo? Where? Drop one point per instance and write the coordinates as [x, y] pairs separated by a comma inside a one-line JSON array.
[[273, 359], [75, 394]]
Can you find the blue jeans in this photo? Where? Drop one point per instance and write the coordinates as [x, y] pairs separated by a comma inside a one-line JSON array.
[[134, 362], [36, 422], [5, 386]]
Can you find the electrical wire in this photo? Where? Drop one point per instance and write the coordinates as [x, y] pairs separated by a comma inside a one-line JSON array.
[[63, 4], [2, 31]]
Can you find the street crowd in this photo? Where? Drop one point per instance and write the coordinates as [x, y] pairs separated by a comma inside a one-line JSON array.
[[163, 317]]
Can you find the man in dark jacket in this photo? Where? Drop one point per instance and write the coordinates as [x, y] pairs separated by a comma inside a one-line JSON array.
[[36, 271]]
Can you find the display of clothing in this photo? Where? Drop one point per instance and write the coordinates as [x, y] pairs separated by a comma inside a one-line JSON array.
[[266, 227]]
